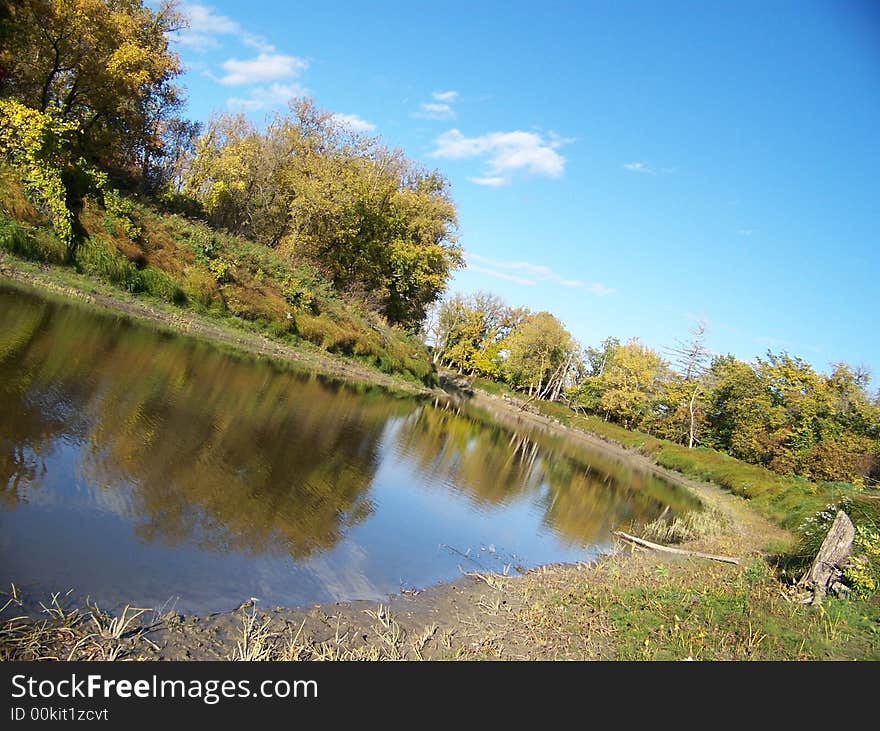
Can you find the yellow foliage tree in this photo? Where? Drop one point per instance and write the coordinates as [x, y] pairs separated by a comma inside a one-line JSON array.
[[105, 64]]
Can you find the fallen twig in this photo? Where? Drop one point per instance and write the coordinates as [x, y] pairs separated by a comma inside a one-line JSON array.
[[666, 549]]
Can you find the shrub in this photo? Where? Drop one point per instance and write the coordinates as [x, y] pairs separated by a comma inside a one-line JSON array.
[[159, 284], [181, 204], [37, 144], [201, 287], [221, 269]]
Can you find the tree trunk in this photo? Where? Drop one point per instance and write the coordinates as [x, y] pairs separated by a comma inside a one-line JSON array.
[[691, 411], [827, 570]]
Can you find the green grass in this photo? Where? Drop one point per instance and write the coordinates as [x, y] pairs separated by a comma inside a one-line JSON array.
[[677, 611], [30, 242], [96, 257], [743, 618]]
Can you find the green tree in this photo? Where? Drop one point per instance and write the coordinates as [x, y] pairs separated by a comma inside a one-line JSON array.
[[741, 413]]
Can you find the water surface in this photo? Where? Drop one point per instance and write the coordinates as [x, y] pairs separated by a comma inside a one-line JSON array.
[[147, 468]]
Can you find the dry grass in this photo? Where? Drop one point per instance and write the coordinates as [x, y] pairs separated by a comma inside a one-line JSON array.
[[261, 638], [691, 526], [257, 642], [70, 633]]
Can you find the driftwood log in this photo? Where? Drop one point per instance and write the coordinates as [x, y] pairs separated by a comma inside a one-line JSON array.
[[826, 572], [667, 549]]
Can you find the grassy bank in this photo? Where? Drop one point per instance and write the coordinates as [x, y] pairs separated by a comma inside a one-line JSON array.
[[164, 258]]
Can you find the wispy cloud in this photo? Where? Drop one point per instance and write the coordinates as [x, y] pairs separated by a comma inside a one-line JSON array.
[[638, 167], [441, 106], [745, 232], [646, 169], [600, 290], [267, 97], [354, 122], [502, 275], [206, 26], [529, 274], [505, 153], [493, 181], [434, 110]]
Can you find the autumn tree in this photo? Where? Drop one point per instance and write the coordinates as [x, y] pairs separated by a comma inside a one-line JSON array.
[[467, 332], [104, 64], [781, 413], [379, 226], [537, 356], [627, 386], [230, 176]]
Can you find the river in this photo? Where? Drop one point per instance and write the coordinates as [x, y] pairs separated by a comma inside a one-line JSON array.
[[146, 468]]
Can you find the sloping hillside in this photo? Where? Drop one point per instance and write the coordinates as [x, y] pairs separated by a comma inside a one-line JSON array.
[[157, 254]]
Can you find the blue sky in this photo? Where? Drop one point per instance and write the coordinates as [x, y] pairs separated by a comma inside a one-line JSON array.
[[628, 166]]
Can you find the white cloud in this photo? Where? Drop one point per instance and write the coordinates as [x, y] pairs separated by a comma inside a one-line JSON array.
[[204, 27], [266, 97], [529, 274], [203, 19], [745, 232], [354, 122], [258, 42], [505, 153], [440, 108], [270, 75], [502, 275], [265, 67], [493, 181], [432, 110]]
